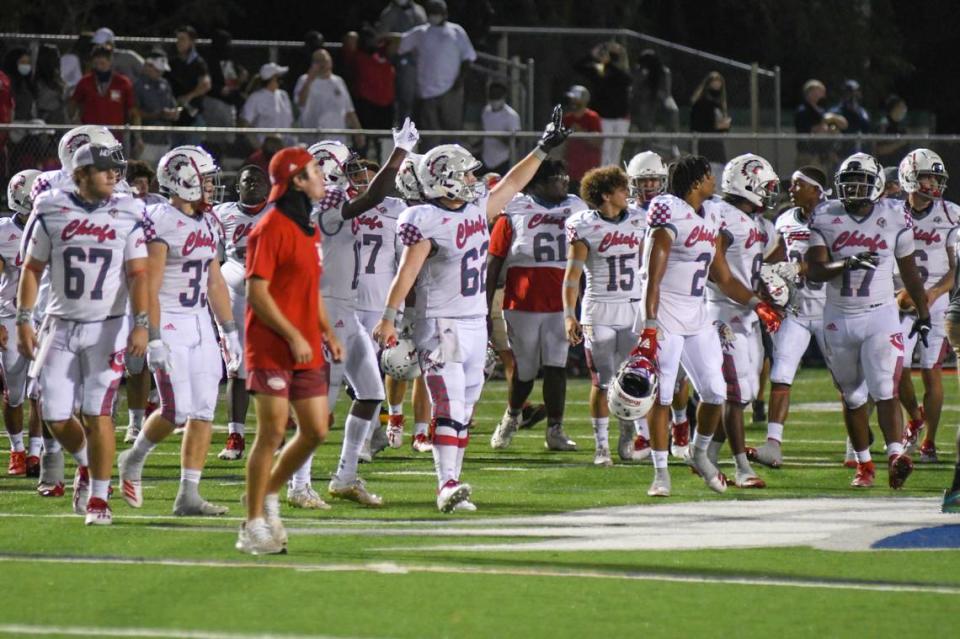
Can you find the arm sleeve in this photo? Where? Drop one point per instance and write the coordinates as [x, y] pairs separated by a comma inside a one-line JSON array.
[[409, 40], [501, 237], [39, 248], [467, 53]]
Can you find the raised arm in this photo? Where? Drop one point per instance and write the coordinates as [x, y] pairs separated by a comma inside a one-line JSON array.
[[404, 139]]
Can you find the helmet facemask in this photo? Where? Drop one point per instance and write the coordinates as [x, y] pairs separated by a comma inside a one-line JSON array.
[[855, 189], [642, 193]]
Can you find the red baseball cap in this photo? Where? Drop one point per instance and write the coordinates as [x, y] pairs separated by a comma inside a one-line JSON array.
[[283, 166]]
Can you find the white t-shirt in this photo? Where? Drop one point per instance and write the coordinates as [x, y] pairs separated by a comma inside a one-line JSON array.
[[328, 103], [267, 109], [496, 151], [440, 50]]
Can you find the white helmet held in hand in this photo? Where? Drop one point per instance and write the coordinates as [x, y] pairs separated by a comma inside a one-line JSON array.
[[633, 390], [18, 191], [777, 287], [919, 164], [859, 181], [646, 166], [490, 362], [751, 177], [407, 182], [182, 171], [336, 160], [400, 361], [444, 171], [86, 134]]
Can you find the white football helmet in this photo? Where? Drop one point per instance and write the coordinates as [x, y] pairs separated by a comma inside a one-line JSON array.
[[751, 177], [407, 183], [400, 361], [633, 390], [491, 361], [777, 287], [336, 160], [18, 191], [88, 133], [443, 172], [646, 166], [182, 172], [923, 163], [859, 181]]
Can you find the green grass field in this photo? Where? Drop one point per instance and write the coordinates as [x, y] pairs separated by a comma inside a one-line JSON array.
[[407, 571]]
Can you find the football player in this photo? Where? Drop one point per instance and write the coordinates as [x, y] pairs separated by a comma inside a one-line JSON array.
[[182, 238], [951, 496], [680, 254], [12, 365], [854, 243], [808, 188], [604, 244], [446, 242], [923, 177], [72, 140], [238, 219], [749, 187], [94, 243], [530, 239]]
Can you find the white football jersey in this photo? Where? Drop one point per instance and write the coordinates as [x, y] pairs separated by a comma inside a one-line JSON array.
[[60, 179], [933, 231], [86, 249], [539, 238], [888, 231], [612, 266], [682, 308], [192, 243], [746, 242], [375, 231], [452, 282], [237, 224], [795, 231], [341, 251], [11, 233]]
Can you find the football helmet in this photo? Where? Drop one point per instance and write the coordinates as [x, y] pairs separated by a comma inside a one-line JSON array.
[[646, 166], [778, 288], [634, 389], [400, 361], [88, 133], [337, 162], [859, 181], [443, 172], [923, 163], [407, 182], [182, 172], [18, 191], [491, 361], [751, 177]]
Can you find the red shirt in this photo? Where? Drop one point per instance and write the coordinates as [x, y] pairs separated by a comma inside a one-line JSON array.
[[6, 105], [109, 108], [280, 252], [530, 289], [373, 77], [581, 154]]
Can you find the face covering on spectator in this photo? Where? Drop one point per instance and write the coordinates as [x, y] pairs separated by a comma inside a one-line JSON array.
[[103, 76], [401, 3], [436, 19], [496, 105], [24, 69]]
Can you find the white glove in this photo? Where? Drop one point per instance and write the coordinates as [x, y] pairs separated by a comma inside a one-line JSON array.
[[234, 349], [158, 356], [407, 136], [789, 271]]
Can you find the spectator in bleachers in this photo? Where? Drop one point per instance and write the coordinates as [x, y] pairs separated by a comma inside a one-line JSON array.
[[141, 176], [893, 122], [189, 78], [104, 96], [324, 100], [268, 107], [73, 61], [158, 106], [858, 120], [708, 114], [228, 81], [125, 61], [50, 89], [891, 183], [372, 79], [653, 93], [498, 116], [582, 155], [6, 116], [811, 117], [19, 68], [299, 60], [399, 16], [444, 53], [607, 69], [268, 148]]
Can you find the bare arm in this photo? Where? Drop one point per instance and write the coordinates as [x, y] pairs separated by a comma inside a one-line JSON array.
[[515, 179], [945, 283], [156, 263], [819, 268], [494, 267], [410, 264], [380, 186], [219, 296], [656, 267], [140, 302], [26, 298], [576, 255], [721, 276], [779, 252], [914, 285]]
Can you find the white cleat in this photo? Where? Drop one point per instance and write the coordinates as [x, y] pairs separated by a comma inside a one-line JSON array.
[[306, 497], [702, 465], [256, 538], [748, 480], [355, 490], [601, 457], [660, 486], [465, 506], [504, 432], [421, 443], [395, 431], [130, 484], [81, 490], [131, 435], [98, 513], [452, 493], [365, 456], [770, 455], [558, 440]]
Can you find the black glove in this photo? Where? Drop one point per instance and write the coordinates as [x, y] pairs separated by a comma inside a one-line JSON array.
[[555, 133], [921, 327], [864, 260]]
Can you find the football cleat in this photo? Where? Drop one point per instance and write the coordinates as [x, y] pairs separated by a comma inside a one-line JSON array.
[[355, 491], [233, 450], [421, 443], [81, 490], [505, 430], [451, 494], [900, 468], [395, 431], [256, 538], [465, 506], [557, 440], [18, 463], [866, 473], [679, 439], [33, 466], [131, 435], [770, 454], [365, 456], [601, 457], [660, 486], [625, 442], [193, 505], [98, 513], [641, 448], [51, 490], [179, 430], [701, 465], [928, 452], [378, 440], [130, 484], [911, 433], [306, 497], [850, 457], [951, 502], [531, 415], [748, 480]]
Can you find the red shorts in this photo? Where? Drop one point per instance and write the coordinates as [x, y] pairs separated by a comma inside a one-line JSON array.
[[294, 385]]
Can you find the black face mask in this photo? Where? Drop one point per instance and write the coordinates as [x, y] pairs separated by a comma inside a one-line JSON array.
[[714, 93], [103, 76]]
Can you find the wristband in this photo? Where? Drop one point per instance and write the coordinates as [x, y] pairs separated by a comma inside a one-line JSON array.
[[540, 154], [753, 303], [153, 333], [571, 284], [228, 327], [577, 263], [569, 312], [389, 314], [651, 323], [141, 320], [24, 315]]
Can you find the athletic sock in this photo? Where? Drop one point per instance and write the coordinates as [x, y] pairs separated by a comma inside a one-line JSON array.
[[235, 428], [192, 476], [659, 459], [354, 434], [271, 505], [136, 417], [863, 456], [713, 449], [464, 437], [141, 448], [51, 445], [420, 428], [894, 448], [775, 431], [743, 466], [702, 442], [81, 456], [643, 428], [395, 409], [99, 488], [36, 443], [446, 450], [601, 427], [679, 415], [16, 442], [301, 476]]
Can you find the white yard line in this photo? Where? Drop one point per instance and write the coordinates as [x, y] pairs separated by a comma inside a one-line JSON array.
[[106, 631]]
